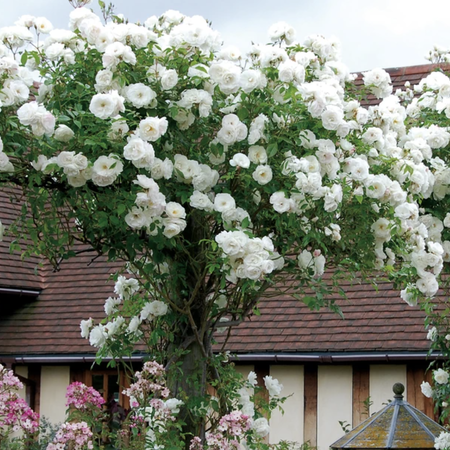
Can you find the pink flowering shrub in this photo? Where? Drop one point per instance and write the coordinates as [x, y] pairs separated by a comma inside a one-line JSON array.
[[81, 396], [150, 381], [153, 414], [232, 428], [15, 414], [76, 436]]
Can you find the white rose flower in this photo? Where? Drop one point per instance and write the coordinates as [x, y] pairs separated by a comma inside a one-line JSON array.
[[158, 308], [257, 154], [273, 386], [125, 288], [201, 201], [137, 218], [442, 442], [282, 30], [97, 336], [152, 128], [240, 160], [85, 327], [262, 174], [110, 305], [280, 203], [43, 25], [107, 105], [55, 51], [432, 334], [174, 405], [175, 210], [106, 169], [169, 79], [173, 227], [162, 169], [427, 284], [224, 202], [440, 376], [139, 95], [133, 326], [381, 229], [426, 389], [63, 133], [137, 149], [261, 426]]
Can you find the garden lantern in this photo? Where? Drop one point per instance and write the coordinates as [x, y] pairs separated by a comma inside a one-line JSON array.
[[398, 426]]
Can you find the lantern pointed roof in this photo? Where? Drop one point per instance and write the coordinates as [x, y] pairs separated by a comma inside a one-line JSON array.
[[398, 426]]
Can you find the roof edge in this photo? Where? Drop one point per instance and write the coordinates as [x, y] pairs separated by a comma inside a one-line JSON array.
[[330, 358], [324, 358]]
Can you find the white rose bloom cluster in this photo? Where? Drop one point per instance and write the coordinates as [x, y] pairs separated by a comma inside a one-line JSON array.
[[140, 153], [290, 71], [442, 442], [35, 115], [232, 130], [5, 164], [226, 205], [111, 304], [194, 32], [256, 131], [227, 75], [75, 166], [15, 37], [379, 82], [152, 310], [106, 169], [175, 221], [150, 205], [139, 95], [189, 171], [126, 287], [440, 376], [426, 389], [273, 386], [117, 52], [152, 128], [282, 31], [105, 106], [199, 97], [246, 257], [314, 261], [327, 49]]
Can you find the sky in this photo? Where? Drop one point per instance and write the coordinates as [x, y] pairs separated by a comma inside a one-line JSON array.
[[373, 33]]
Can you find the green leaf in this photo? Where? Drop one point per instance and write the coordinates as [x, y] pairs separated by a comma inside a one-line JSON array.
[[272, 149], [245, 223], [121, 208], [242, 114]]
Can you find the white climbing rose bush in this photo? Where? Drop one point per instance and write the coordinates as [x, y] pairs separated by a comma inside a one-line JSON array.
[[217, 177]]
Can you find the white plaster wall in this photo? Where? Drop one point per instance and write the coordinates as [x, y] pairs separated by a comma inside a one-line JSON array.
[[334, 403], [382, 378], [23, 372], [54, 382], [244, 370], [288, 426]]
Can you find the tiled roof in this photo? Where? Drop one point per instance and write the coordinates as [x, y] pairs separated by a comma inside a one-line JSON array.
[[375, 320], [400, 75], [14, 272], [51, 324]]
